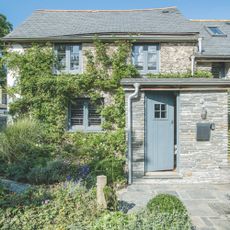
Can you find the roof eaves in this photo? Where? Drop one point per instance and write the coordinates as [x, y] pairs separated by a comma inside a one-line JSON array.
[[176, 82], [95, 11]]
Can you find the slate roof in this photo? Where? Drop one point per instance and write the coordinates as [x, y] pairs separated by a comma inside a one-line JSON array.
[[214, 45], [52, 23]]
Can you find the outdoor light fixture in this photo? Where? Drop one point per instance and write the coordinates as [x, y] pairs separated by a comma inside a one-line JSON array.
[[204, 111]]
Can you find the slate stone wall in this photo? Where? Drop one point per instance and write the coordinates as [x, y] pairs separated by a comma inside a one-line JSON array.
[[199, 162], [176, 57], [204, 161]]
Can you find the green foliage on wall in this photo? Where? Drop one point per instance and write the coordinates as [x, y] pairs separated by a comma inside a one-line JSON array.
[[197, 74], [46, 96]]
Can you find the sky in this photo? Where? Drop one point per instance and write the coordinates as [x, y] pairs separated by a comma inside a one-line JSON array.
[[18, 10]]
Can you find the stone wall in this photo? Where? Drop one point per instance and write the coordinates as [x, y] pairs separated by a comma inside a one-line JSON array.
[[176, 57], [138, 118], [197, 161], [203, 161]]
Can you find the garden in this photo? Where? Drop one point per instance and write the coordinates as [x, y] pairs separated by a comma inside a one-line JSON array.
[[60, 166]]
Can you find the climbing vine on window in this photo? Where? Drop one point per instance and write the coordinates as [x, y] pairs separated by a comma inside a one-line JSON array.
[[46, 96]]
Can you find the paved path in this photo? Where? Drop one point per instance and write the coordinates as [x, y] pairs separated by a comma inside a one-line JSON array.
[[208, 205]]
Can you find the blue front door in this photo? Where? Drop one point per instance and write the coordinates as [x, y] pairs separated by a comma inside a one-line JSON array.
[[159, 131]]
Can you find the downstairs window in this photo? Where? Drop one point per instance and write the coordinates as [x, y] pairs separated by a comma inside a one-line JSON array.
[[84, 115]]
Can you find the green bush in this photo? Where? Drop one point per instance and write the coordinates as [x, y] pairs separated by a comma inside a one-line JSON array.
[[103, 152], [55, 171], [112, 167], [64, 206], [111, 198], [166, 203], [22, 146], [143, 220], [146, 220], [72, 206], [20, 139], [114, 221], [197, 74]]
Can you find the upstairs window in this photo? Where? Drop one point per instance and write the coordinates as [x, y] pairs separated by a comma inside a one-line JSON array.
[[84, 115], [68, 58], [146, 58], [215, 31], [218, 69]]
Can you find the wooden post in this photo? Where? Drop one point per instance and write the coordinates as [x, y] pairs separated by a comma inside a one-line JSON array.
[[101, 183]]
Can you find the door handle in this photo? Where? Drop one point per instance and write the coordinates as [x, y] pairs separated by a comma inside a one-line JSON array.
[[172, 122]]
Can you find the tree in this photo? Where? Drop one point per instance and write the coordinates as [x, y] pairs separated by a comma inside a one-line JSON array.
[[5, 28]]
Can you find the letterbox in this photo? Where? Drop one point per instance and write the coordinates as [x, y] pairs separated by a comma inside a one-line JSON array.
[[203, 131]]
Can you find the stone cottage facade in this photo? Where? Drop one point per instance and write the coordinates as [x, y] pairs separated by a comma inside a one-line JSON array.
[[164, 42]]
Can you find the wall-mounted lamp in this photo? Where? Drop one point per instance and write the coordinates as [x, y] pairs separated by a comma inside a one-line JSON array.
[[204, 111]]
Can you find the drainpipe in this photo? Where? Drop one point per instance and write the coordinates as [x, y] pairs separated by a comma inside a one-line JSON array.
[[129, 130], [192, 65], [200, 45]]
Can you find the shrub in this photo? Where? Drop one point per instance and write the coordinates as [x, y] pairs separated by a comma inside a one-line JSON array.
[[22, 146], [197, 74], [146, 220], [114, 221], [20, 139], [55, 171], [166, 203], [112, 167], [64, 206], [111, 198], [103, 152]]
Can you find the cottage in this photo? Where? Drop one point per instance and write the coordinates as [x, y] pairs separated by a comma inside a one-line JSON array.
[[177, 128]]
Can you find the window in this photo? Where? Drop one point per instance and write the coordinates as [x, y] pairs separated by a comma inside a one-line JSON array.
[[218, 69], [160, 111], [68, 58], [4, 98], [145, 58], [84, 115], [215, 31]]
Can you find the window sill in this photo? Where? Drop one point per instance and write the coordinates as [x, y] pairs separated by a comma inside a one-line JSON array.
[[57, 72], [85, 130]]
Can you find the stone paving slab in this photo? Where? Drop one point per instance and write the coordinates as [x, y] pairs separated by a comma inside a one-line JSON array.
[[207, 204]]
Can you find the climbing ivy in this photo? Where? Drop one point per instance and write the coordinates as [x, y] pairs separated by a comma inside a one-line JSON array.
[[46, 96]]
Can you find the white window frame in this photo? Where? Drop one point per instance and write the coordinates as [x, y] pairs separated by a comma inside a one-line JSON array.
[[145, 61], [67, 69]]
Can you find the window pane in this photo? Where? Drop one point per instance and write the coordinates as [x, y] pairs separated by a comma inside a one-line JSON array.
[[94, 116], [152, 49], [77, 112], [157, 114], [61, 57], [152, 57], [163, 107], [215, 31], [138, 57], [74, 57], [163, 114], [157, 107]]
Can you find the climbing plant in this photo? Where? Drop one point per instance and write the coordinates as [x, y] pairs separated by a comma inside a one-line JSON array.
[[45, 96]]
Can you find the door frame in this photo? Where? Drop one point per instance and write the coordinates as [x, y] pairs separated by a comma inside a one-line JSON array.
[[177, 119]]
